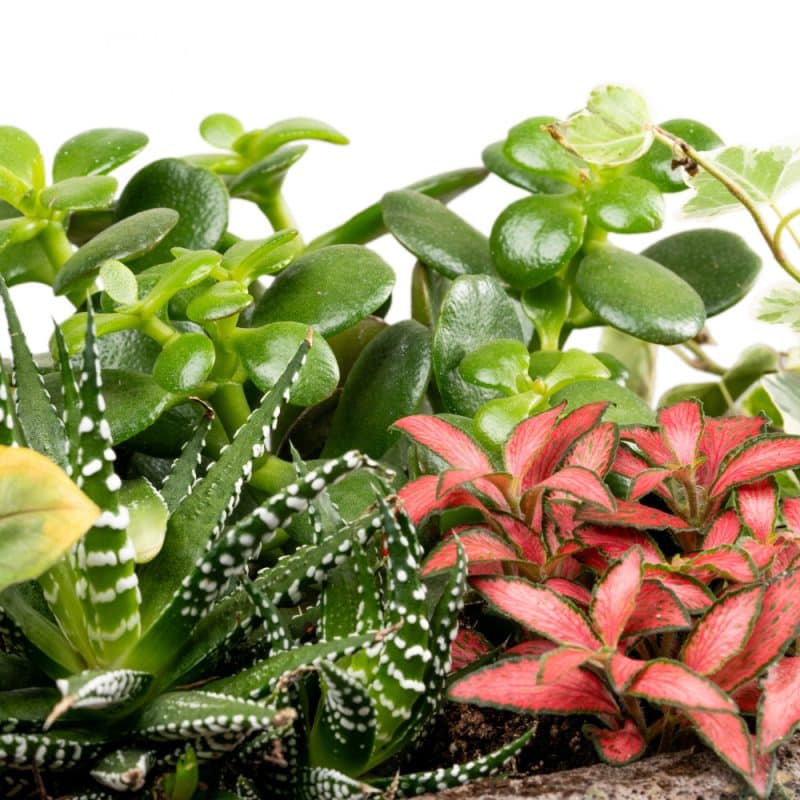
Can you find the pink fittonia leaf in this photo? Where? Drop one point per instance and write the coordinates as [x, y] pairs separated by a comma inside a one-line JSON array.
[[617, 747], [693, 595], [531, 647], [779, 712], [563, 514], [634, 515], [574, 591], [627, 464], [615, 597], [790, 508], [527, 440], [582, 484], [479, 545], [723, 631], [724, 530], [726, 734], [671, 683], [722, 436], [564, 435], [775, 627], [730, 563], [763, 773], [650, 480], [447, 441], [560, 661], [614, 542], [681, 426], [657, 609], [523, 537], [758, 507], [420, 497], [595, 449], [651, 443], [622, 670], [539, 609], [770, 454], [747, 697], [467, 648], [761, 554], [785, 558], [511, 683]]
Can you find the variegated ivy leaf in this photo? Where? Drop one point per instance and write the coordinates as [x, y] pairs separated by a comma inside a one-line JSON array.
[[782, 306], [762, 174]]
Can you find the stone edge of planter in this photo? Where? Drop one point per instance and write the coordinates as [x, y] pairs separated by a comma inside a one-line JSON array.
[[686, 775]]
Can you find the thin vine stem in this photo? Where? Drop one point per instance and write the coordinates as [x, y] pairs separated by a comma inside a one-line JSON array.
[[691, 155]]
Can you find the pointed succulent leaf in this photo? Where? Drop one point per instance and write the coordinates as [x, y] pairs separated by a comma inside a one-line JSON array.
[[24, 709], [183, 472], [148, 515], [779, 709], [320, 783], [277, 635], [617, 746], [124, 770], [65, 749], [616, 596], [756, 460], [539, 609], [261, 181]]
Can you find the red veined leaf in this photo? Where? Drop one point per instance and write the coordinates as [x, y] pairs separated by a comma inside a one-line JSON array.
[[775, 627], [565, 566], [651, 443], [758, 508], [779, 710], [560, 661], [693, 595], [452, 478], [539, 609], [681, 426], [622, 670], [628, 464], [657, 609], [615, 597], [723, 631], [726, 734], [479, 545], [563, 514], [528, 439], [651, 480], [574, 591], [724, 529], [420, 497], [579, 482], [761, 554], [787, 554], [790, 508], [595, 449], [614, 542], [720, 437], [747, 697], [730, 563], [468, 647], [523, 537], [763, 773], [617, 747], [770, 454], [511, 683], [531, 647], [563, 436], [666, 682], [633, 515], [595, 560], [447, 441]]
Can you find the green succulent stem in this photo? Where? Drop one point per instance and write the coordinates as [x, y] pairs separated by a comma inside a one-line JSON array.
[[56, 245], [230, 403], [158, 330], [698, 359], [276, 210]]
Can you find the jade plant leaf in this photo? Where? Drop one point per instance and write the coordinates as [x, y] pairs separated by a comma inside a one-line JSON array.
[[496, 161], [221, 130], [119, 282], [638, 296], [717, 264], [199, 197], [357, 282], [547, 307], [266, 177], [656, 164], [613, 129], [475, 311], [80, 194], [762, 174], [26, 262], [638, 358], [184, 363], [42, 514], [249, 259], [254, 145], [96, 152], [626, 205], [223, 299], [265, 352], [496, 419], [127, 239], [387, 382], [535, 237], [625, 407], [439, 238], [20, 155], [501, 365]]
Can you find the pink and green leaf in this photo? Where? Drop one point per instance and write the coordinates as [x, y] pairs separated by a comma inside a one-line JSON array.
[[721, 437], [647, 481], [617, 747], [790, 508], [467, 648], [616, 596], [758, 508], [574, 591], [651, 443], [558, 662], [633, 515], [446, 441], [769, 454], [523, 537], [693, 595], [527, 440], [480, 545], [681, 426], [595, 450], [779, 709], [622, 670], [727, 735], [725, 529], [726, 562], [581, 484], [421, 497], [615, 541], [657, 610]]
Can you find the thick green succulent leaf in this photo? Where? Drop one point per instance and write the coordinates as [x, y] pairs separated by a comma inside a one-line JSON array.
[[250, 258], [18, 230], [475, 311], [127, 239], [343, 733], [626, 408], [626, 204], [193, 522], [124, 770], [613, 129], [148, 514], [638, 296], [265, 178], [368, 224], [221, 130], [24, 709], [223, 299], [351, 601], [656, 165], [26, 262], [88, 193], [62, 750], [497, 365], [762, 174], [547, 307], [277, 637], [439, 238], [96, 152], [357, 282], [16, 671], [199, 197], [321, 783], [183, 472], [119, 282], [535, 237], [496, 419], [388, 381], [496, 161], [254, 145], [20, 155], [184, 363], [265, 352], [717, 264]]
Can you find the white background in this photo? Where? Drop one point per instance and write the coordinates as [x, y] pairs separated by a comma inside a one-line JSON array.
[[419, 87]]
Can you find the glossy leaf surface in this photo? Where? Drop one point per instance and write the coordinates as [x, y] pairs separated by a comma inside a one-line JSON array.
[[96, 152]]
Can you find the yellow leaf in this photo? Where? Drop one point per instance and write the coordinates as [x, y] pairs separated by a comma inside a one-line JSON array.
[[42, 514]]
